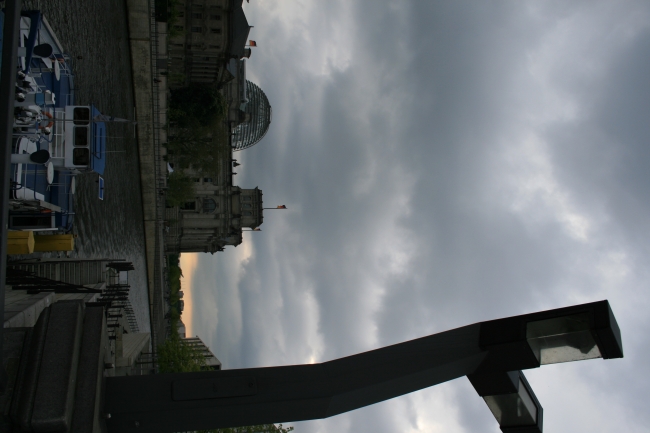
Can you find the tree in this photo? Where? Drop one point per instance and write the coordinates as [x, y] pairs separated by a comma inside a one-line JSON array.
[[174, 273], [175, 356], [263, 428], [202, 148], [180, 189], [197, 105], [197, 135]]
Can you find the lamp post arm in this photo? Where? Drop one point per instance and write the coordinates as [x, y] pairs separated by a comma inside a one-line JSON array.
[[490, 353], [228, 398]]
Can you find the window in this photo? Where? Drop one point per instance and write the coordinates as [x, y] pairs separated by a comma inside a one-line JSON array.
[[188, 205], [197, 16], [81, 116], [246, 198], [205, 59], [247, 213], [247, 206], [209, 205], [215, 31], [181, 14], [207, 179], [179, 28], [215, 17], [197, 179], [81, 136], [81, 156], [215, 47], [197, 30]]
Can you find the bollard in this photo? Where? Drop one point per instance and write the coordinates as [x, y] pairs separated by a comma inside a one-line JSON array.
[[19, 242], [54, 243]]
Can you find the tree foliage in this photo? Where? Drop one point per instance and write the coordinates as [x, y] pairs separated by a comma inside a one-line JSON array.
[[263, 428], [175, 356], [174, 273], [180, 188], [174, 260], [197, 135], [197, 106], [173, 14], [202, 148]]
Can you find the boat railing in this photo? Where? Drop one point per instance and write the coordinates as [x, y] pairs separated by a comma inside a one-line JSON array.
[[21, 187], [41, 87], [69, 97], [24, 186], [57, 150]]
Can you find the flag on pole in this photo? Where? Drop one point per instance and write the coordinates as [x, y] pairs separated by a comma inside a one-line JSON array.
[[282, 207], [252, 43]]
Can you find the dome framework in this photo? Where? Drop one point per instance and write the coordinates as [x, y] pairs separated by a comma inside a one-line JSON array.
[[258, 114]]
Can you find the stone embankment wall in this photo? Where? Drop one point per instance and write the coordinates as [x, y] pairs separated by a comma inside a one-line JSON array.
[[151, 107]]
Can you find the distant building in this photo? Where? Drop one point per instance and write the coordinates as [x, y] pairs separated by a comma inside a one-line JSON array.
[[212, 363], [180, 328], [215, 218], [211, 48], [206, 35], [208, 46], [220, 209]]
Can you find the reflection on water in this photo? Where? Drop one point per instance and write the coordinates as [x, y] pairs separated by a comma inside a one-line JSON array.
[[97, 31]]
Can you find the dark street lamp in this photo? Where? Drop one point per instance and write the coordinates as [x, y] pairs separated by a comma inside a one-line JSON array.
[[490, 353], [566, 334], [511, 400]]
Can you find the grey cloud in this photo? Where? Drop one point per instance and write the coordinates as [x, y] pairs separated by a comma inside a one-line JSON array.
[[458, 75]]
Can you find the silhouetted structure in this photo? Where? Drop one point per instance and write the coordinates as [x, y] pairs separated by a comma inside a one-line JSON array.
[[490, 353]]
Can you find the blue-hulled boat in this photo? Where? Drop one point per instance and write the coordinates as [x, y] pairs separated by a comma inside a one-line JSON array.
[[54, 140]]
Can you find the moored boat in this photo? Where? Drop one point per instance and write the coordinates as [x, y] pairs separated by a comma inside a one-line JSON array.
[[54, 139]]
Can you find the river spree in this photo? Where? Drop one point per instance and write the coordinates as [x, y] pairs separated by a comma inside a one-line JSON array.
[[97, 32]]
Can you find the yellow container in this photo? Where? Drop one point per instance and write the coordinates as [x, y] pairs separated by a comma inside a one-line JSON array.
[[54, 243], [20, 242]]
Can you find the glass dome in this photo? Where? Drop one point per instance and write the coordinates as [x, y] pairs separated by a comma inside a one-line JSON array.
[[258, 114]]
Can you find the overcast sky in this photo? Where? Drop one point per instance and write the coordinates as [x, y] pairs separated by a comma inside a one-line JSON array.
[[443, 163]]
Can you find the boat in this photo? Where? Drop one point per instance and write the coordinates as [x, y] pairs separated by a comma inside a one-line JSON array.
[[54, 140]]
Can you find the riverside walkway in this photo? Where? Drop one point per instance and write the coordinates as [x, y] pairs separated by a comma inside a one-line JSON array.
[[147, 39]]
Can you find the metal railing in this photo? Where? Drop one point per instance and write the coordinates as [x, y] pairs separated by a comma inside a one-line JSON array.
[[158, 330]]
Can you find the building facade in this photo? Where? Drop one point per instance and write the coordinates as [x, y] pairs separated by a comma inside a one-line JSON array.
[[203, 38], [211, 361], [220, 209], [209, 46], [216, 216]]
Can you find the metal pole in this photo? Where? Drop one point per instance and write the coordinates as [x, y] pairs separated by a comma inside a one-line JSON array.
[[10, 39], [228, 398]]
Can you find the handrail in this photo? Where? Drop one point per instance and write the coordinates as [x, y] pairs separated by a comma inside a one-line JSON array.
[[159, 242]]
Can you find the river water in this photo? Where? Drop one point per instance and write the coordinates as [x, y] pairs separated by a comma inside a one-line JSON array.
[[97, 30]]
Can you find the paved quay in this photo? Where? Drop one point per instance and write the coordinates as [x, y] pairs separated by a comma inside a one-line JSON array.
[[147, 43]]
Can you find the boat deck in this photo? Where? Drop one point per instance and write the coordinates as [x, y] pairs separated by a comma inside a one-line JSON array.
[[29, 183], [54, 73]]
